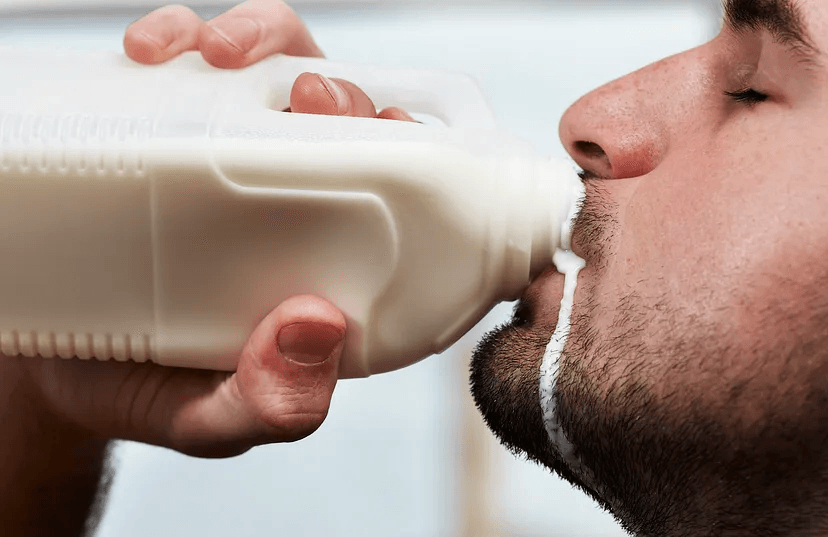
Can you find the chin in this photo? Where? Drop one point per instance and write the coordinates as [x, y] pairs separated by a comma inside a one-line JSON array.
[[505, 371], [505, 368]]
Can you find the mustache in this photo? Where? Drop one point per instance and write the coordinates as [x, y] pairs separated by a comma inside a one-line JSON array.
[[597, 220], [587, 175]]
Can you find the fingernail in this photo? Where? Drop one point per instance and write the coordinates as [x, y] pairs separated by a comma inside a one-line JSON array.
[[337, 93], [241, 34], [309, 343], [162, 40]]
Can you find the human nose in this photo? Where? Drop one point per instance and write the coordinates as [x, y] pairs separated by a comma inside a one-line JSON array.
[[621, 130]]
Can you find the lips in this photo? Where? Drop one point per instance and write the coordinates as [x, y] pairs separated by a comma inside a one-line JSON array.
[[577, 239], [542, 299]]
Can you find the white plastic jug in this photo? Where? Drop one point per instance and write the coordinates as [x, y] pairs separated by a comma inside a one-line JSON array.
[[159, 213]]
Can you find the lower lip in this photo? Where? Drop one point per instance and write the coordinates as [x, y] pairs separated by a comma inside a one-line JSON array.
[[545, 293]]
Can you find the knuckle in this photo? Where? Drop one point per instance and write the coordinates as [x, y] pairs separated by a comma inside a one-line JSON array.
[[294, 415]]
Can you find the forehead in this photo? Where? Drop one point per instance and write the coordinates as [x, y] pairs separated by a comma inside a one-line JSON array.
[[800, 25], [814, 14]]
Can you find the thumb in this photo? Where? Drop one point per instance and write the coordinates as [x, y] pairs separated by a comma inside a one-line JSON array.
[[289, 367]]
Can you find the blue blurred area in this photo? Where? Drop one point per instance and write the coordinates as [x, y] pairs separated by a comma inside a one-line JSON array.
[[392, 459]]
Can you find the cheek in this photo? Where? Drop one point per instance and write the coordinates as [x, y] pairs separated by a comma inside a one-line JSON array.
[[710, 222], [675, 238]]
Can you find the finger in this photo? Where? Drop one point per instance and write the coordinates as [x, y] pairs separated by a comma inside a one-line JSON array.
[[288, 380], [252, 31], [162, 34], [316, 94], [281, 391], [396, 114]]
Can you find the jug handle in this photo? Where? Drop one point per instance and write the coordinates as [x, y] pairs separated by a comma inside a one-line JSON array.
[[454, 98]]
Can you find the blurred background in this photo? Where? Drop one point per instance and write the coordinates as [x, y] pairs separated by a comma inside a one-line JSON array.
[[402, 454]]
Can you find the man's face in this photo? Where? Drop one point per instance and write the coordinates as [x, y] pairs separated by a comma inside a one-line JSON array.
[[694, 385]]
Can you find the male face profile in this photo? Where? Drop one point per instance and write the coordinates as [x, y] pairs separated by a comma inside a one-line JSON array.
[[693, 388]]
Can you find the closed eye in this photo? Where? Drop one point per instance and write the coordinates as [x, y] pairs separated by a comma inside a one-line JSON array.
[[747, 96]]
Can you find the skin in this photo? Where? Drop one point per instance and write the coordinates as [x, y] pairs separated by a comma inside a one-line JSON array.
[[692, 387]]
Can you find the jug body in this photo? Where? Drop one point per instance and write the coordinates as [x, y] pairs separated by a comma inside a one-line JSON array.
[[159, 213]]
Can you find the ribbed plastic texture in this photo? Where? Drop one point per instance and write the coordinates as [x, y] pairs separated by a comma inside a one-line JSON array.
[[48, 141], [121, 347], [159, 213]]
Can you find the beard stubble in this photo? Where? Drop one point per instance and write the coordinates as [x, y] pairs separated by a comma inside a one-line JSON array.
[[668, 448]]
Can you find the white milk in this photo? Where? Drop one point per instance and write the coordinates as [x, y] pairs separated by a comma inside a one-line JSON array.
[[159, 213], [570, 265]]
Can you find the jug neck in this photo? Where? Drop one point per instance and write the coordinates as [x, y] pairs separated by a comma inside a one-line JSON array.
[[546, 198]]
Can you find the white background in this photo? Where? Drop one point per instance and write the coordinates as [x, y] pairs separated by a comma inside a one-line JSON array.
[[401, 454]]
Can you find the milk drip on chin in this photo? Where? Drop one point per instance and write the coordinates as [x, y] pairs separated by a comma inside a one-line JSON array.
[[570, 265]]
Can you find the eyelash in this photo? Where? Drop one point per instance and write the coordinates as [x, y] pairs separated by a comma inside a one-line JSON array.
[[749, 96]]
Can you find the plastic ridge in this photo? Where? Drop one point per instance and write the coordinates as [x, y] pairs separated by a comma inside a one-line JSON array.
[[121, 347], [36, 143]]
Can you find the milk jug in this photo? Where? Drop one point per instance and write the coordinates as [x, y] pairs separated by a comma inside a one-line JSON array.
[[160, 212]]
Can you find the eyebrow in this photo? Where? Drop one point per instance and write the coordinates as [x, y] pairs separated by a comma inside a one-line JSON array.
[[782, 19]]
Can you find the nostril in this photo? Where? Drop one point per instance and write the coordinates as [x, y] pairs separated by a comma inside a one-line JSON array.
[[590, 149]]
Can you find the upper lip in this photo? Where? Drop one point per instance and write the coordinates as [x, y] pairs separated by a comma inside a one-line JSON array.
[[575, 246]]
